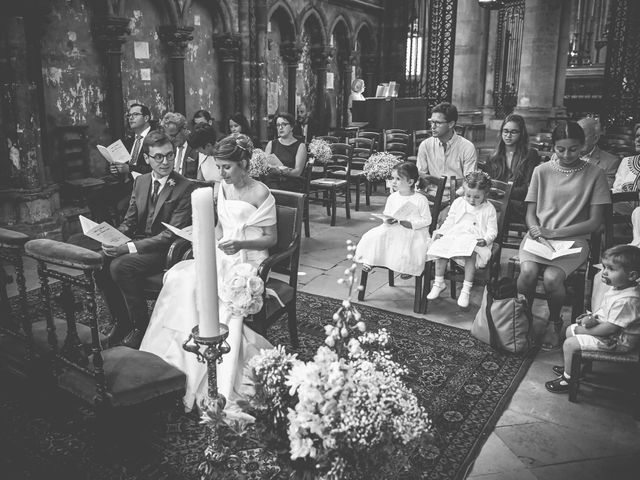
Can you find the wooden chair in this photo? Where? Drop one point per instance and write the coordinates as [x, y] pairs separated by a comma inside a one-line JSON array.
[[396, 142], [328, 138], [375, 136], [435, 202], [418, 137], [397, 130], [362, 150], [582, 365], [615, 221], [115, 377], [336, 180], [499, 198], [16, 337], [283, 259]]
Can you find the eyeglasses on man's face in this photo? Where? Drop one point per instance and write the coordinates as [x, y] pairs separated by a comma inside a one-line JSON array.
[[133, 114], [512, 133], [437, 123], [160, 157]]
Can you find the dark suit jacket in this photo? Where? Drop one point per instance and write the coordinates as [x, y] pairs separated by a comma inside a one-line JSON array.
[[606, 161], [190, 163], [141, 165], [173, 207]]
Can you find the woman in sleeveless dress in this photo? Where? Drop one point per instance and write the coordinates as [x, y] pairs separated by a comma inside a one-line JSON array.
[[290, 151], [246, 229]]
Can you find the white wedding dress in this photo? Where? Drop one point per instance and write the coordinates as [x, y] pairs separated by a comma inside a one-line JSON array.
[[175, 311]]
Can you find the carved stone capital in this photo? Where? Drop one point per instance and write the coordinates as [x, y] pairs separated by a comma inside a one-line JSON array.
[[176, 39], [347, 59], [369, 62], [228, 46], [110, 33], [320, 56], [291, 52]]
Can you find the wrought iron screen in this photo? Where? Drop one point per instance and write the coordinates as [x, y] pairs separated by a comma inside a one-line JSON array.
[[429, 71], [622, 70], [508, 50]]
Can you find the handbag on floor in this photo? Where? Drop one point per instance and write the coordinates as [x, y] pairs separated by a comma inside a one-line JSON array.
[[504, 319]]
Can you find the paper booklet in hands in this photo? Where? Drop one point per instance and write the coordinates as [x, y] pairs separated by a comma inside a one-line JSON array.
[[115, 153], [453, 246], [102, 232], [562, 248], [186, 232], [405, 212]]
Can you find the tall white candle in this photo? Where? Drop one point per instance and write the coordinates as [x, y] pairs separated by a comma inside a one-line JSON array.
[[204, 252]]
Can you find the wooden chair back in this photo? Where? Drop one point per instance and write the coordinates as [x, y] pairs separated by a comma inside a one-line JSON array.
[[341, 156], [419, 136], [289, 213], [362, 147], [375, 136], [434, 197]]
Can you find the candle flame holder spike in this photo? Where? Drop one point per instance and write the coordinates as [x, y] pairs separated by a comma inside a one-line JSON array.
[[215, 348]]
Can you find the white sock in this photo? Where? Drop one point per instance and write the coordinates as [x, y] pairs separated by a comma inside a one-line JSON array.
[[438, 280], [566, 376], [466, 286]]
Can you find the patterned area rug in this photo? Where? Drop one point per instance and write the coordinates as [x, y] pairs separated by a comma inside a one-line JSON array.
[[464, 385]]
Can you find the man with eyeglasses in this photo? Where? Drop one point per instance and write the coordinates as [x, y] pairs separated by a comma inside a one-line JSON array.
[[163, 195], [445, 152], [174, 125], [594, 154]]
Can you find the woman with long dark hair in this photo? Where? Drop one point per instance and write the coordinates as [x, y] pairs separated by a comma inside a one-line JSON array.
[[514, 161]]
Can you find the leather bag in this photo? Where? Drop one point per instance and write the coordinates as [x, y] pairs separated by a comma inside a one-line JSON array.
[[504, 319]]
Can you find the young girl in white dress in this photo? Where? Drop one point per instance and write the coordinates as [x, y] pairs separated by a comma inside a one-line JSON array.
[[470, 214], [400, 243]]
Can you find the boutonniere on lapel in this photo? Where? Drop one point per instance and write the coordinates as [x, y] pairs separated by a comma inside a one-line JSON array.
[[190, 160], [171, 182]]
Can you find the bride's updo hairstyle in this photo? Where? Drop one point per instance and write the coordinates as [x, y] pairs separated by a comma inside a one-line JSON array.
[[235, 147]]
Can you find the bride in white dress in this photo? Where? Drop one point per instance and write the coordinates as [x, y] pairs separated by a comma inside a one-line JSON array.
[[246, 229]]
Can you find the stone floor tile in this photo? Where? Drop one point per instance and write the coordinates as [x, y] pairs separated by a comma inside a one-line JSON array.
[[496, 457], [617, 467]]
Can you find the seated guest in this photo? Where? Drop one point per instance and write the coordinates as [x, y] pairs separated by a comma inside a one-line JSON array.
[[446, 153], [160, 196], [291, 152], [628, 175], [175, 126], [139, 118], [357, 90], [594, 154], [202, 117], [514, 161], [615, 326], [302, 128], [203, 141], [566, 201], [238, 123]]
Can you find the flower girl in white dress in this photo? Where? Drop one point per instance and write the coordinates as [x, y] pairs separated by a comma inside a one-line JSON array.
[[469, 215], [401, 242], [246, 229]]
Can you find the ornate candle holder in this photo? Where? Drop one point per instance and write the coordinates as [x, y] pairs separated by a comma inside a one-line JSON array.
[[215, 348]]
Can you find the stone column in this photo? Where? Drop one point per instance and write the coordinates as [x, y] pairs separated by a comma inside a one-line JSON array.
[[472, 33], [290, 53], [229, 48], [260, 68], [369, 66], [176, 39], [345, 62], [245, 64], [488, 110], [320, 56], [542, 45], [110, 33]]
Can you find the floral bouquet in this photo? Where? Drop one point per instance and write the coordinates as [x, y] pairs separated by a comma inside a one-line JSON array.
[[347, 413], [320, 150], [242, 292], [258, 166], [379, 166]]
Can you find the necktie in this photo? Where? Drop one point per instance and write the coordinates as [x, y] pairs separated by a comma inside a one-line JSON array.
[[154, 195], [136, 150]]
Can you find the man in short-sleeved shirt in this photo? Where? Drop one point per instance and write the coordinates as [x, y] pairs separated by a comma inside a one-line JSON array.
[[446, 153]]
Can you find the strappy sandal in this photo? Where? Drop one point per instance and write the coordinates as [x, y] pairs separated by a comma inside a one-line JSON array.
[[559, 385], [556, 343], [558, 370], [405, 276]]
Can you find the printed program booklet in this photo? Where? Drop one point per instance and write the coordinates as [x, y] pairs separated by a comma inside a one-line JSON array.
[[405, 212], [453, 246], [102, 232], [115, 153], [186, 232], [562, 248]]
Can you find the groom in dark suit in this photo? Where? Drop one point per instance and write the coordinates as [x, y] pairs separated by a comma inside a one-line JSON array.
[[163, 195]]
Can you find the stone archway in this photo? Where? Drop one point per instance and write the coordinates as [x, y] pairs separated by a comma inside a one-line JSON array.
[[283, 55], [311, 80]]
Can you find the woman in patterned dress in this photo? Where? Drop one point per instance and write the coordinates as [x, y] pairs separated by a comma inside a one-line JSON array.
[[628, 177]]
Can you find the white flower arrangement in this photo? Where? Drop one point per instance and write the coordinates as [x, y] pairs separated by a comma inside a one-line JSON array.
[[379, 166], [320, 150], [242, 293], [348, 416], [258, 166]]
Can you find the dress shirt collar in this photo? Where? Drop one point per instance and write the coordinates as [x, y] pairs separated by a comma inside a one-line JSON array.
[[163, 180]]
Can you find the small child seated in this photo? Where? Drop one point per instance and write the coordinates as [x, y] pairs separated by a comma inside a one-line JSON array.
[[471, 215], [615, 326]]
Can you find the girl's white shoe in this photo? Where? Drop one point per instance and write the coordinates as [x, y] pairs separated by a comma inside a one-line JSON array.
[[436, 290], [463, 299]]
